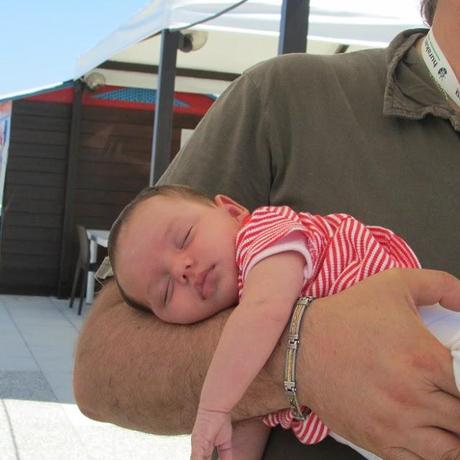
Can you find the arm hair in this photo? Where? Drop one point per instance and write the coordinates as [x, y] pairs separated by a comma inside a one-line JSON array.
[[133, 370]]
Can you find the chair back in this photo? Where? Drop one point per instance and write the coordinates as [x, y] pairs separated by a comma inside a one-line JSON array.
[[83, 243]]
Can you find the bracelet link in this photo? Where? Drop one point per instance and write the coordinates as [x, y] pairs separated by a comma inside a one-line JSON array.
[[290, 388], [293, 342]]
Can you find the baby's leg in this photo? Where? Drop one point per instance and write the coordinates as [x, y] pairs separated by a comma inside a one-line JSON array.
[[249, 438], [445, 326]]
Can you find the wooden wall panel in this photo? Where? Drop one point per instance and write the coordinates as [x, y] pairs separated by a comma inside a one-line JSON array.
[[114, 163], [34, 196], [113, 166]]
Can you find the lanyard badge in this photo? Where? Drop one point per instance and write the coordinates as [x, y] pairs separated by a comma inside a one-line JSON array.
[[439, 68]]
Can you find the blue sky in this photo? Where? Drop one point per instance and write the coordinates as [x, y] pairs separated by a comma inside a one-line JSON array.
[[41, 39]]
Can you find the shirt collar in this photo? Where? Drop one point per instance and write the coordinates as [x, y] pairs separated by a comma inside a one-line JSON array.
[[410, 92]]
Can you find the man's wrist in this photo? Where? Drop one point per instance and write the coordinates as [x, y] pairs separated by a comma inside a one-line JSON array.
[[293, 344]]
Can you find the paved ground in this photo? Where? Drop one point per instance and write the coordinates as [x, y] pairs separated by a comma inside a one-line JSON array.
[[38, 416]]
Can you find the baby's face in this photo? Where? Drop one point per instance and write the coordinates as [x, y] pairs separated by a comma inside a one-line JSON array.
[[177, 256]]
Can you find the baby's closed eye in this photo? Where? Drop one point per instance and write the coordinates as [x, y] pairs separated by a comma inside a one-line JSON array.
[[187, 237]]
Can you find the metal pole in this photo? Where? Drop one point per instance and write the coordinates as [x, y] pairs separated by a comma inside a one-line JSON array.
[[162, 125], [68, 224], [294, 26]]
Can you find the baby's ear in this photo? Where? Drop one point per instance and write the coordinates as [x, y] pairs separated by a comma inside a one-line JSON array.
[[235, 209]]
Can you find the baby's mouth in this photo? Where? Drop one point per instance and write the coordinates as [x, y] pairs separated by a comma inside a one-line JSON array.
[[202, 283]]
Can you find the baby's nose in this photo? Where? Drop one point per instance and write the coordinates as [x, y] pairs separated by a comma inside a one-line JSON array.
[[184, 271]]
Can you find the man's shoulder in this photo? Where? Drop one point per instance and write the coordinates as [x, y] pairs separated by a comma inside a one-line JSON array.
[[305, 75], [295, 63]]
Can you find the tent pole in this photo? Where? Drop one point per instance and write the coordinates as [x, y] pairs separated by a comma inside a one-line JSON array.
[[162, 125], [68, 224], [293, 38], [294, 26]]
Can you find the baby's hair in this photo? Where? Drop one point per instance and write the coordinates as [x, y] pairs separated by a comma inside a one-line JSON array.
[[180, 191]]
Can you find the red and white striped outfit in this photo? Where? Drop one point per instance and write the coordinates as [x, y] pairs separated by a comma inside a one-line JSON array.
[[339, 251]]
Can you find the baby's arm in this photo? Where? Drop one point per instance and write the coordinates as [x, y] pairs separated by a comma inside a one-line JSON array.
[[248, 339], [249, 439]]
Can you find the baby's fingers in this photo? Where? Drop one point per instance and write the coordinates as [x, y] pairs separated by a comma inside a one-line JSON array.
[[201, 450], [225, 452], [212, 428]]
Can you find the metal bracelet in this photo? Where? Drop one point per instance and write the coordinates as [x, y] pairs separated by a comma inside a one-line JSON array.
[[301, 305]]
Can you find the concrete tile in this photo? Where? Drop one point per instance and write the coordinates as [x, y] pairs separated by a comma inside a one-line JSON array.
[[30, 386], [4, 315], [42, 431], [79, 420], [7, 440], [17, 362], [108, 442], [70, 314], [14, 353], [37, 402], [47, 336], [53, 365], [61, 384]]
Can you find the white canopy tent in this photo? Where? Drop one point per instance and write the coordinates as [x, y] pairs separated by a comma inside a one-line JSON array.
[[240, 34]]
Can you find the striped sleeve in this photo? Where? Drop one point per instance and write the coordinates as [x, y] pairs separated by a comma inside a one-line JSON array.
[[356, 251], [400, 251], [266, 226]]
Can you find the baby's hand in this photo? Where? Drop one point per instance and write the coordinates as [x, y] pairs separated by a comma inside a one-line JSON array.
[[212, 429]]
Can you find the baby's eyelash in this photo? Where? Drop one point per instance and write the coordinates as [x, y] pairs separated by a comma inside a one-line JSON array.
[[165, 298], [186, 237]]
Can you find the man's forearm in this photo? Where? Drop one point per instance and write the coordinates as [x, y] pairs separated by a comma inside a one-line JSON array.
[[137, 372], [134, 371], [366, 365]]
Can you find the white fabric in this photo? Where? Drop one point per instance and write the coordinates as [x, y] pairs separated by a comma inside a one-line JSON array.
[[445, 326], [295, 241]]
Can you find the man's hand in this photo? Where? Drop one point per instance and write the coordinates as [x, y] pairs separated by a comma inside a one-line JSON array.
[[212, 429], [375, 374]]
